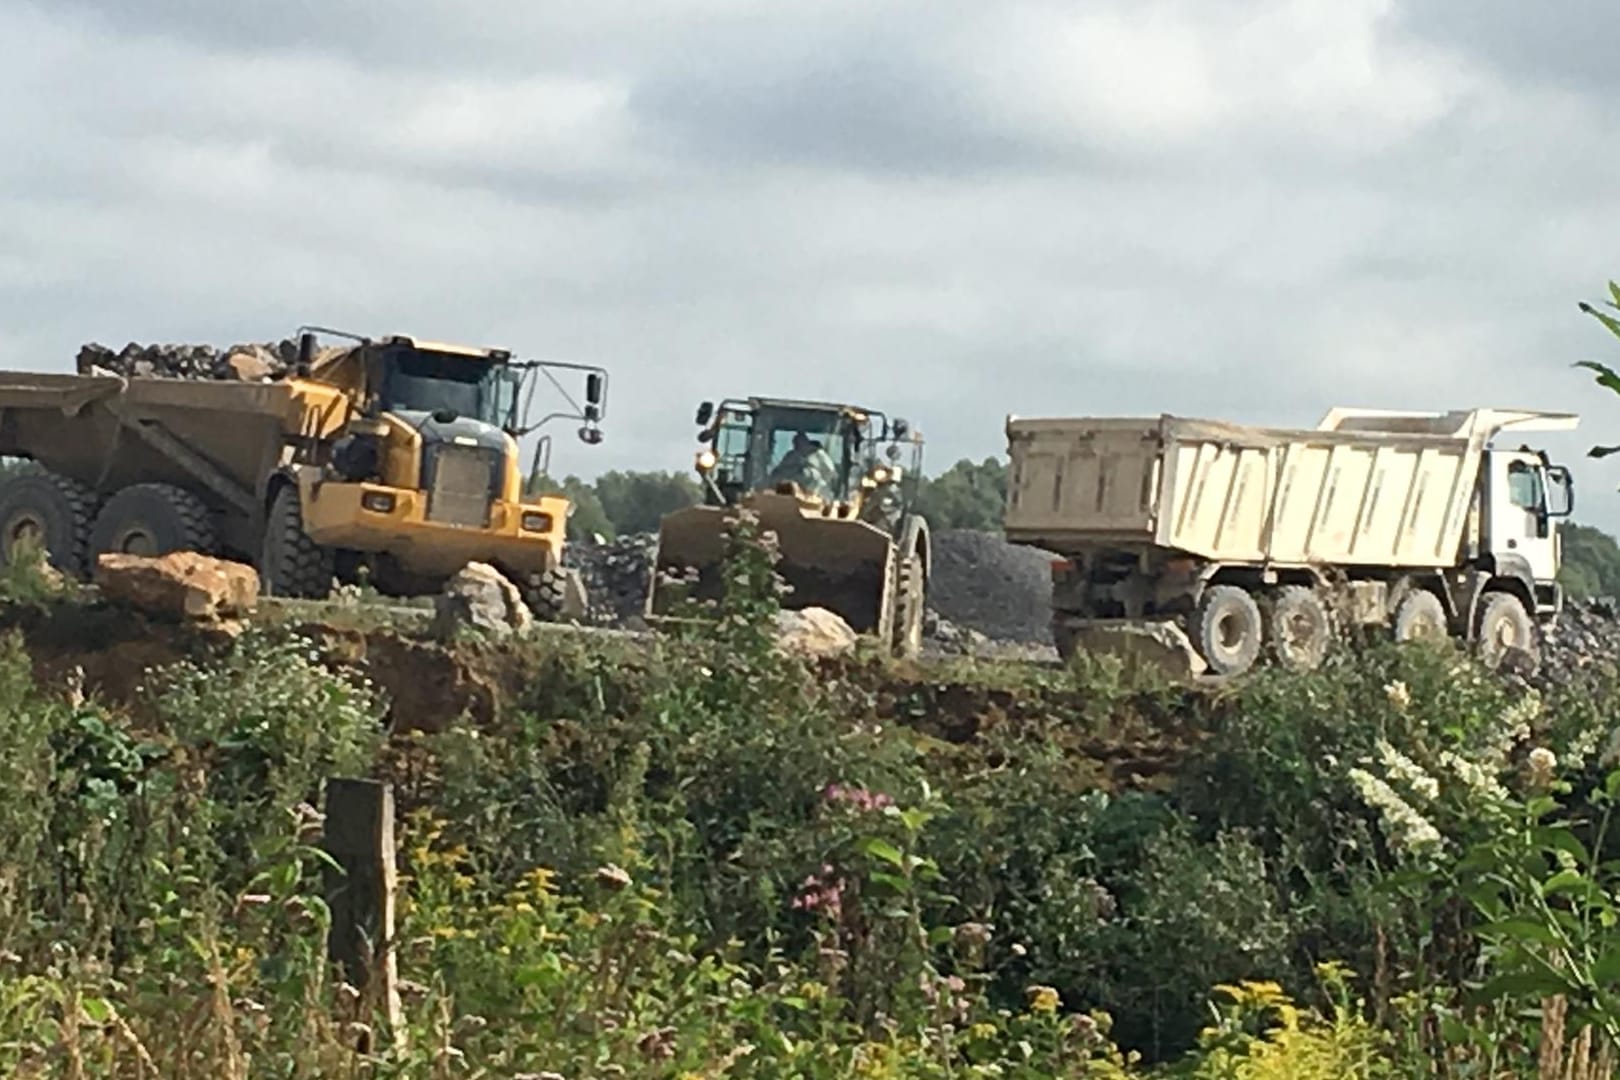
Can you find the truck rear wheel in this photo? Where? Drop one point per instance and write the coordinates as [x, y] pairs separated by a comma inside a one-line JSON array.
[[1504, 624], [1227, 629], [153, 519], [290, 563], [1298, 627], [1420, 617], [909, 599], [51, 513]]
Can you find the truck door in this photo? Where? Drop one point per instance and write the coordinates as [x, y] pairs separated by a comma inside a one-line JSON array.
[[1520, 525]]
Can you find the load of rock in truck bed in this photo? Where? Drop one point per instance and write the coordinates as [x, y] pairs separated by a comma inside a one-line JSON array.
[[238, 363]]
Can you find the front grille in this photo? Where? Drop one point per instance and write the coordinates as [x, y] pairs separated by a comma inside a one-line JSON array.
[[461, 484]]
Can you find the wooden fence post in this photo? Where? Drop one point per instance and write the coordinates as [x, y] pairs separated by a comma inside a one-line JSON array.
[[359, 835]]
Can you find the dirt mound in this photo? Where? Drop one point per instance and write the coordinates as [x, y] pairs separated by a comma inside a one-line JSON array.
[[983, 583]]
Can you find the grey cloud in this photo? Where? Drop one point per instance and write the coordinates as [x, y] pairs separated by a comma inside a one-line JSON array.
[[1568, 44]]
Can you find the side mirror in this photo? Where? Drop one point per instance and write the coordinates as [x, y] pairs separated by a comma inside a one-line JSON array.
[[900, 427], [590, 436], [593, 391], [892, 452], [705, 413], [306, 352]]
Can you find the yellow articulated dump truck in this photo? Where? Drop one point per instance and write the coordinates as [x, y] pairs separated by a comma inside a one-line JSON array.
[[1256, 541], [392, 459], [827, 479]]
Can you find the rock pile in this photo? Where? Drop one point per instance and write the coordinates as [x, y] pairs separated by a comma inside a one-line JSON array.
[[617, 574], [1587, 634], [239, 363]]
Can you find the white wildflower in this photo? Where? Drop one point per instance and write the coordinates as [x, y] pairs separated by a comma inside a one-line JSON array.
[[1407, 829], [1399, 696], [1478, 780], [1408, 772], [1542, 762]]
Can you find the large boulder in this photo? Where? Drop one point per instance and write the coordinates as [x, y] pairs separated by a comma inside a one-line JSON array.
[[179, 585], [1162, 645], [814, 632], [480, 596]]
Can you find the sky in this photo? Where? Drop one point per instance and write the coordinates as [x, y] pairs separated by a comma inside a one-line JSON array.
[[1252, 210]]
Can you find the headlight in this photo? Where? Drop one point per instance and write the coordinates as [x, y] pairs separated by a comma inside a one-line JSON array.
[[880, 475], [706, 460], [536, 522], [378, 502]]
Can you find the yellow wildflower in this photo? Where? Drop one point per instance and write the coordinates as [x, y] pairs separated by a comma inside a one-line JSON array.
[[1043, 999]]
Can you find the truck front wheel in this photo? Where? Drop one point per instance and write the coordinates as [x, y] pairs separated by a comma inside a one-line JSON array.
[[1504, 624], [50, 513], [1227, 629], [290, 563], [1299, 628]]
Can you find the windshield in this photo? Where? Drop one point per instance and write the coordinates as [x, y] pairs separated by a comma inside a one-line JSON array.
[[428, 382], [809, 447]]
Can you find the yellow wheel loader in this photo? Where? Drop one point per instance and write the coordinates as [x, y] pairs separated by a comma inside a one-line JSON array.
[[827, 479], [392, 459]]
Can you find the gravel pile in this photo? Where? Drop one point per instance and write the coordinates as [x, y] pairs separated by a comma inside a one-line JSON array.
[[982, 583], [239, 363]]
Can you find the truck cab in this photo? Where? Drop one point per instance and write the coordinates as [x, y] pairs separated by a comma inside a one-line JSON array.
[[1526, 495]]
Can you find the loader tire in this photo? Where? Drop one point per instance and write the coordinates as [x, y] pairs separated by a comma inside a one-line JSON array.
[[1227, 630], [910, 598], [546, 594], [49, 511], [153, 520], [1298, 628], [1504, 624], [290, 563], [1420, 617]]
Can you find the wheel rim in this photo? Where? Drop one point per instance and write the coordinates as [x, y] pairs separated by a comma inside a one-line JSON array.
[[24, 529], [136, 541], [1229, 632]]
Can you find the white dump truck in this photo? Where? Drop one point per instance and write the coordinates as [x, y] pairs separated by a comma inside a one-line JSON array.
[[1249, 542]]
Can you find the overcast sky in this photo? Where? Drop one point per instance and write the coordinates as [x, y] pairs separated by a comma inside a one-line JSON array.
[[1247, 209]]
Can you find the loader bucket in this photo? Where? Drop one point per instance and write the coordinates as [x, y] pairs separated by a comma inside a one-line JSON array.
[[1161, 645], [841, 565]]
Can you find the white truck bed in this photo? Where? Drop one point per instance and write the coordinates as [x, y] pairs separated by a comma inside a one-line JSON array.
[[1365, 487]]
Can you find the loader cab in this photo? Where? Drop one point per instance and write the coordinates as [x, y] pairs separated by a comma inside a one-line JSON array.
[[854, 455]]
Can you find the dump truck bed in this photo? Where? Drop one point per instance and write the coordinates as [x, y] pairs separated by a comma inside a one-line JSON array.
[[107, 431], [1365, 487]]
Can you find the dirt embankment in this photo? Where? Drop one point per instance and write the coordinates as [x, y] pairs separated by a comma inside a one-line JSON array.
[[432, 686]]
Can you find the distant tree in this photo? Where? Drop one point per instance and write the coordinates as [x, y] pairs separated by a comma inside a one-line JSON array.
[[635, 502], [1591, 561], [965, 496], [588, 517]]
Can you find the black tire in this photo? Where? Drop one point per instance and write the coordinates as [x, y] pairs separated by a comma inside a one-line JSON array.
[[153, 519], [1421, 617], [1227, 630], [43, 508], [910, 599], [546, 594], [1298, 628], [290, 563], [1503, 624]]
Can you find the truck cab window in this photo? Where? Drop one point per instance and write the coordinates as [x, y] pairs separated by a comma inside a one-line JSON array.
[[428, 382], [1524, 486]]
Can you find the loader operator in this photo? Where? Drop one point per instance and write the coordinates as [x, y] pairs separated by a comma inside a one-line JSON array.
[[808, 465]]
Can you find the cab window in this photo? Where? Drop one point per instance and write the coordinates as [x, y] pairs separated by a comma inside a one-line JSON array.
[[1524, 486]]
